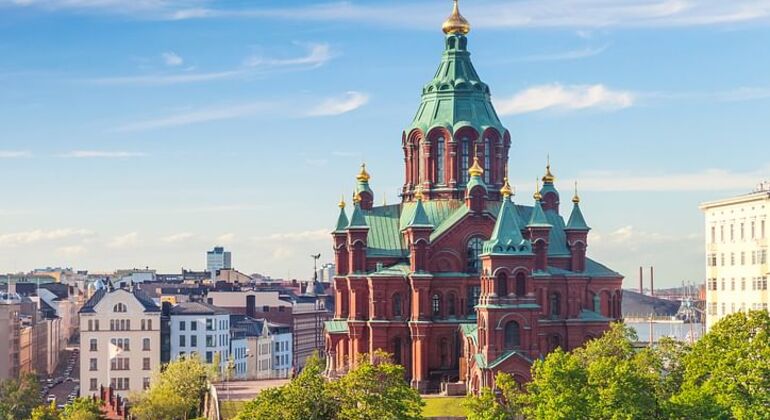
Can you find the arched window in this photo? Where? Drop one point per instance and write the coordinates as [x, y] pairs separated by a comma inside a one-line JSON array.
[[397, 305], [474, 250], [487, 160], [502, 285], [450, 304], [435, 305], [465, 156], [555, 305], [397, 350], [512, 335], [521, 284], [440, 156], [444, 353], [119, 307]]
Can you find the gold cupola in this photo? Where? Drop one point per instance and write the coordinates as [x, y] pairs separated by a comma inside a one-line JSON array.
[[506, 191], [363, 176], [456, 23]]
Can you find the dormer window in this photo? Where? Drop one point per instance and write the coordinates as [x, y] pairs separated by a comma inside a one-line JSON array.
[[119, 307]]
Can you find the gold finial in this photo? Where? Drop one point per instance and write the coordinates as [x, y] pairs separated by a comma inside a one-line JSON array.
[[363, 176], [456, 23], [548, 178], [476, 169], [576, 198], [537, 195], [506, 191], [418, 195], [356, 198], [342, 202]]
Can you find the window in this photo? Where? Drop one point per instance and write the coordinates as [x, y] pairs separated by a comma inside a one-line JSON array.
[[732, 283], [465, 156], [145, 383], [512, 336], [90, 325], [143, 325], [555, 305], [762, 229], [96, 325], [145, 344], [753, 231], [277, 346], [265, 308], [182, 342], [209, 324], [487, 160], [440, 157], [193, 341], [743, 258], [146, 363], [435, 304], [724, 308], [193, 325], [502, 285], [92, 345], [92, 364], [397, 350], [713, 234], [722, 233], [732, 232], [397, 305], [743, 283], [521, 284], [119, 307], [182, 326], [723, 284], [474, 250], [209, 357], [93, 384], [474, 292], [722, 259], [209, 341], [450, 301], [732, 258], [119, 363], [743, 236]]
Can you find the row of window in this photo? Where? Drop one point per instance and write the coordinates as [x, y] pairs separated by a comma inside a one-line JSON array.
[[757, 283], [210, 325], [754, 233], [118, 363], [282, 360], [713, 306], [483, 149], [211, 340], [757, 257]]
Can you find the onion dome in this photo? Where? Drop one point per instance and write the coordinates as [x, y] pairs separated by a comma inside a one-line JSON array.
[[342, 220], [476, 169], [537, 196], [576, 197], [548, 178], [506, 191], [363, 176], [456, 23]]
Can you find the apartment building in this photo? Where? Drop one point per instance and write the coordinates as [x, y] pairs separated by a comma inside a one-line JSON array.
[[736, 253], [270, 349], [119, 341], [200, 329]]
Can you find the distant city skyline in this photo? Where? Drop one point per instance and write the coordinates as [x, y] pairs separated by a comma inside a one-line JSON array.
[[145, 133]]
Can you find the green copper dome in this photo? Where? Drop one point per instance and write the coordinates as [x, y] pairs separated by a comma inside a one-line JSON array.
[[456, 96]]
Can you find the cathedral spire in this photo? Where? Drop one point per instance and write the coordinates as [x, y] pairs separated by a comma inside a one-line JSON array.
[[342, 220], [364, 192], [456, 23]]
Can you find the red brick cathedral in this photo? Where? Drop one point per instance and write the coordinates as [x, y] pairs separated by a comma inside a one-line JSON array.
[[459, 281]]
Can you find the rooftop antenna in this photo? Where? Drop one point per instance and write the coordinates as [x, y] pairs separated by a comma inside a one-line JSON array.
[[315, 258]]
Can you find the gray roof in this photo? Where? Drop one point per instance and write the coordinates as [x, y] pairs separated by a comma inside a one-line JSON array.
[[197, 308], [148, 304]]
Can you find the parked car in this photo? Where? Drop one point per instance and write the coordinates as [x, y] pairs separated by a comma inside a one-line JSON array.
[[51, 398]]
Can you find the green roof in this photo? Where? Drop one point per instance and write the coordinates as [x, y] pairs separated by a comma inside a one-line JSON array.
[[419, 217], [342, 220], [470, 330], [506, 237], [337, 326], [474, 181], [456, 96], [576, 219], [357, 218], [538, 218]]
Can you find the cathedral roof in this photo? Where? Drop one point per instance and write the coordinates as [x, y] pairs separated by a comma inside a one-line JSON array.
[[419, 217], [506, 237], [538, 218], [576, 219], [342, 220], [357, 219]]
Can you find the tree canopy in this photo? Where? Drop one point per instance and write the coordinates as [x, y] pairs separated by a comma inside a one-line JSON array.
[[18, 397], [175, 392]]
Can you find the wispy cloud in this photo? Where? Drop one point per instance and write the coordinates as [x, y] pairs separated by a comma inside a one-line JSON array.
[[340, 105], [706, 180], [71, 251], [128, 240], [177, 237], [317, 234], [325, 107], [566, 55], [41, 235], [13, 154], [559, 97], [317, 55], [103, 154], [172, 59]]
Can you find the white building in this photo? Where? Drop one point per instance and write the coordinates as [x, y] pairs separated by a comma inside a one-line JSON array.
[[270, 347], [218, 259], [736, 253], [200, 329], [119, 341]]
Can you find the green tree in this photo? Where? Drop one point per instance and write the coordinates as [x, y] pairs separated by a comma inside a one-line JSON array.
[[45, 412], [488, 406], [727, 373], [559, 388], [376, 389], [175, 393], [82, 409], [18, 397]]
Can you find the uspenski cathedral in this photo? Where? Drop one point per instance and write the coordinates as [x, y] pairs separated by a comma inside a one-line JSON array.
[[461, 279]]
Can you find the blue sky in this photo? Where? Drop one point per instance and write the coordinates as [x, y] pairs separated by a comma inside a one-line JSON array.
[[143, 132]]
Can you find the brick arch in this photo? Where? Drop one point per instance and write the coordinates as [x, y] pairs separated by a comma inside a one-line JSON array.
[[446, 260], [514, 316]]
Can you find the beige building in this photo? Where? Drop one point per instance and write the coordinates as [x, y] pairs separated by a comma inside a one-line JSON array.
[[10, 331], [119, 341], [736, 253]]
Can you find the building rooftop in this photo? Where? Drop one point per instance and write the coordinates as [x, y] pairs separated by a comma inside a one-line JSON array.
[[197, 308]]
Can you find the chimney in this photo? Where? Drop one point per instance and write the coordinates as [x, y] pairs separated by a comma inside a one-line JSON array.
[[641, 280], [652, 281]]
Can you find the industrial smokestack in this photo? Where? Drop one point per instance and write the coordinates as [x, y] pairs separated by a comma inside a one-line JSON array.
[[652, 281], [641, 280]]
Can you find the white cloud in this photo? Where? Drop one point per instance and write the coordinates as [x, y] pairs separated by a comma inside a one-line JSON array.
[[12, 154], [340, 105], [172, 59], [318, 55], [225, 239], [559, 97], [40, 235], [71, 251], [128, 240], [87, 154], [306, 235], [177, 237]]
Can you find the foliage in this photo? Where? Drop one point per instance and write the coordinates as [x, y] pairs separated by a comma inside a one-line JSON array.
[[45, 412], [488, 406], [376, 389], [18, 397], [372, 390], [82, 409], [175, 393], [444, 407], [727, 374]]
